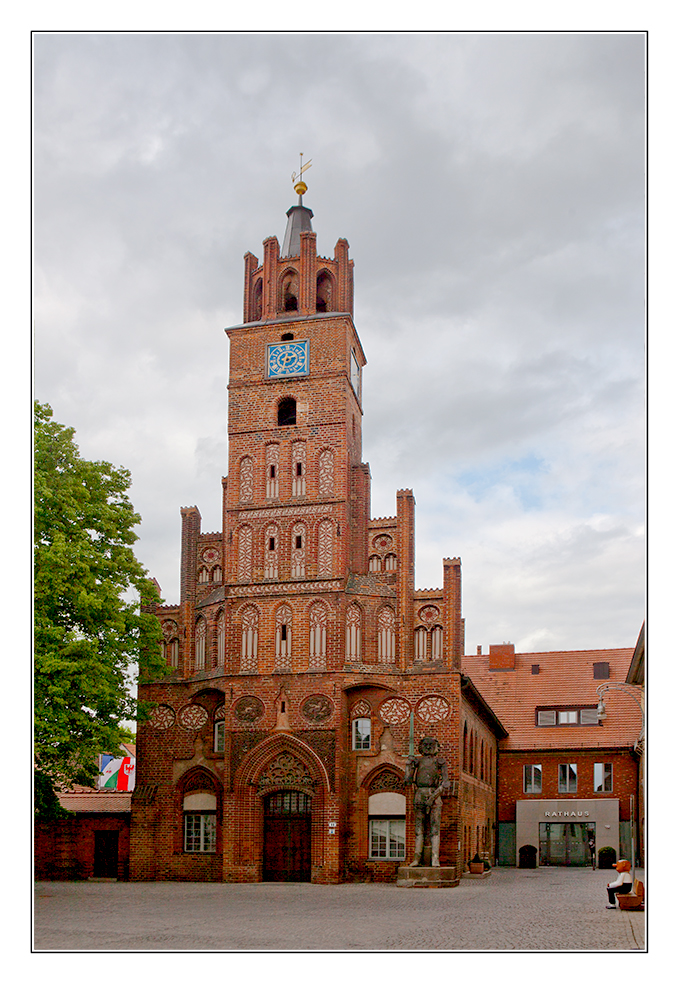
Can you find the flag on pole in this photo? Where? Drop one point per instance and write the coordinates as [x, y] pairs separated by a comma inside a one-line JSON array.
[[118, 774]]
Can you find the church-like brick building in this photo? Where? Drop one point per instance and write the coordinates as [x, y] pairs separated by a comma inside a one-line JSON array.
[[304, 664]]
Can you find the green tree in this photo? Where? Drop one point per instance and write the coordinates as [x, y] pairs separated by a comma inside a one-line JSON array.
[[92, 636]]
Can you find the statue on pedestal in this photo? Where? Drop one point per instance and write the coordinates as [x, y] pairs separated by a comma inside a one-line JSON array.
[[428, 772]]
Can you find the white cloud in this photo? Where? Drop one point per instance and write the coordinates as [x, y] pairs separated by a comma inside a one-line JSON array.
[[492, 190]]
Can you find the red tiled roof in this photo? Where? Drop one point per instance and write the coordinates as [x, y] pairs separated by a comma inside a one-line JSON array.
[[82, 799], [565, 678]]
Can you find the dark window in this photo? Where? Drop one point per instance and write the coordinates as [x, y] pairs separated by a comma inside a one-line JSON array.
[[535, 669], [287, 337], [284, 632], [298, 543], [272, 471], [272, 543], [287, 412], [602, 671], [299, 467]]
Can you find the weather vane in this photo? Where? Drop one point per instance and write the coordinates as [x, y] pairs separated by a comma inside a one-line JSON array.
[[297, 183]]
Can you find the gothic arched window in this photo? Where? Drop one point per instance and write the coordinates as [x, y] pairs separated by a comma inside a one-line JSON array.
[[420, 642], [298, 468], [318, 631], [437, 642], [386, 635], [271, 544], [326, 540], [221, 637], [271, 456], [298, 551], [324, 291], [353, 633], [326, 472], [245, 553], [201, 637], [249, 639], [246, 479], [283, 637]]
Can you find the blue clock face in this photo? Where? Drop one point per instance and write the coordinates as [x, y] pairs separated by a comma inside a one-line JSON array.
[[288, 359]]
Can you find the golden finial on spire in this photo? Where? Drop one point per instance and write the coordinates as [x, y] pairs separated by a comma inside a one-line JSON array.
[[297, 184]]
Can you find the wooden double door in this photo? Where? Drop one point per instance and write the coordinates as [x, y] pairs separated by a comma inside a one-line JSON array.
[[287, 837]]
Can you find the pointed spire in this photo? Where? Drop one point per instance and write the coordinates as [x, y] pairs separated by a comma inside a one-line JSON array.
[[299, 217]]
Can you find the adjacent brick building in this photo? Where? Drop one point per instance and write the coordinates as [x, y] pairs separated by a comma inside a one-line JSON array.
[[303, 662], [563, 772]]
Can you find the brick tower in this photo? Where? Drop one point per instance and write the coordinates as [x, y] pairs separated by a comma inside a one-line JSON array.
[[302, 660]]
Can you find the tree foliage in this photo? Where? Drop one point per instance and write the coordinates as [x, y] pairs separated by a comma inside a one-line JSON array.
[[91, 634]]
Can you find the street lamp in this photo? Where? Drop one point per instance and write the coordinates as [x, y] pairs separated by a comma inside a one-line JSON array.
[[631, 691]]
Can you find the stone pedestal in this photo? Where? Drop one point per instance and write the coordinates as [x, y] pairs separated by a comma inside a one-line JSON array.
[[422, 877]]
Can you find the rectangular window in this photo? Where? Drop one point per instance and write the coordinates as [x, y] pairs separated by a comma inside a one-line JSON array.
[[602, 671], [568, 717], [532, 778], [360, 734], [603, 777], [388, 839], [219, 736], [200, 833], [565, 717], [568, 778]]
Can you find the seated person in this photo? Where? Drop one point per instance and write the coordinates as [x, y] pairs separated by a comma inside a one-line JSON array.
[[622, 885]]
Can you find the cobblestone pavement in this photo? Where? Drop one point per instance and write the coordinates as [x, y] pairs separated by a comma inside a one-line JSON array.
[[513, 909]]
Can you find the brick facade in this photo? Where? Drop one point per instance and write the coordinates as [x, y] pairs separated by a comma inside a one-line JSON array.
[[298, 617]]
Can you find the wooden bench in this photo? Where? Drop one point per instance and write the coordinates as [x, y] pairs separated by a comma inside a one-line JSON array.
[[633, 899]]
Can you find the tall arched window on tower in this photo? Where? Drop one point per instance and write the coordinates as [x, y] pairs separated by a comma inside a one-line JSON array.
[[201, 637], [318, 630], [353, 633], [326, 541], [298, 551], [284, 638], [245, 553], [272, 456], [326, 472], [386, 635], [289, 291], [271, 545], [299, 468], [257, 300], [221, 637], [249, 617], [246, 479], [287, 412], [324, 291]]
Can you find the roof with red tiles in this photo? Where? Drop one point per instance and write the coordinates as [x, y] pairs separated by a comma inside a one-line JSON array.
[[82, 799], [563, 680]]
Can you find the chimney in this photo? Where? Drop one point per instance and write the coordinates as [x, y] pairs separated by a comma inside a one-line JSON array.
[[501, 657], [479, 650]]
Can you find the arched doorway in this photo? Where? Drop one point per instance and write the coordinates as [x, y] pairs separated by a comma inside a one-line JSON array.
[[287, 836]]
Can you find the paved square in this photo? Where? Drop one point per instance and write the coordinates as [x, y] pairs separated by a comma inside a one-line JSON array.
[[513, 909]]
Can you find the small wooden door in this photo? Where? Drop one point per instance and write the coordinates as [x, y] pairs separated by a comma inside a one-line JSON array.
[[287, 837], [105, 853]]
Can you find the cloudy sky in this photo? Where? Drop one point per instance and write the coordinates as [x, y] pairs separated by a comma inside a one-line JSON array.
[[492, 190]]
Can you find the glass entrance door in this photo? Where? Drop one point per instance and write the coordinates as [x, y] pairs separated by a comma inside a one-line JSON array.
[[565, 844]]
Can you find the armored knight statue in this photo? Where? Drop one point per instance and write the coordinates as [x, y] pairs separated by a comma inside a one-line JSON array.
[[428, 772]]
